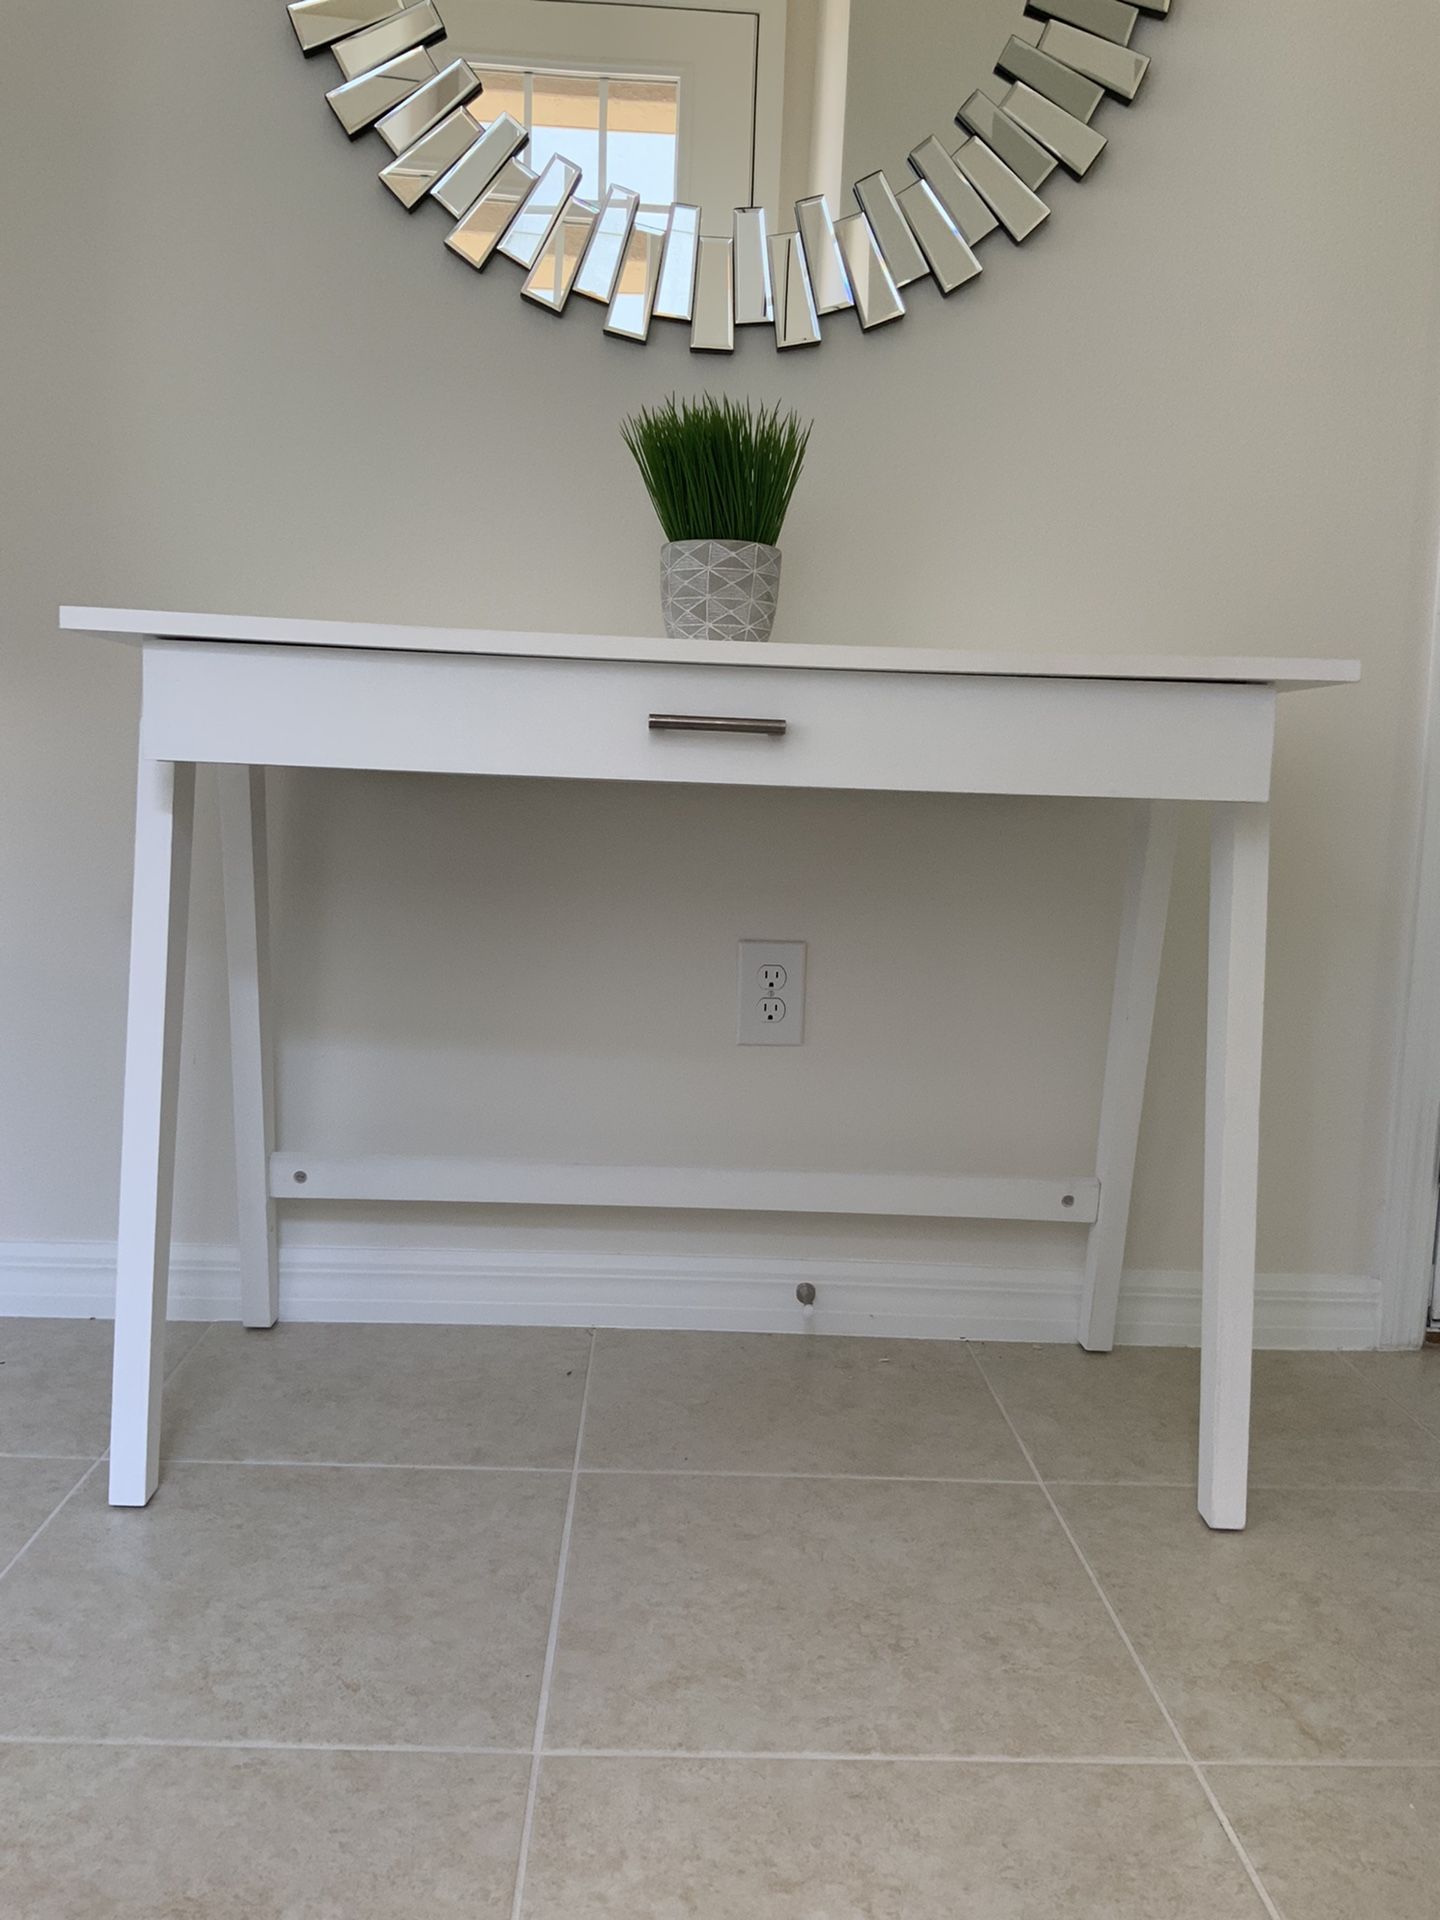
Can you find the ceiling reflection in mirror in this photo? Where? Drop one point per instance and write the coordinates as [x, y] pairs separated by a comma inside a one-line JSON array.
[[674, 162]]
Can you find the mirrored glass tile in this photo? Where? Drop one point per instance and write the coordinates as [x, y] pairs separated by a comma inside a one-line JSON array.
[[1068, 89], [828, 280], [1058, 67], [550, 280], [428, 105], [964, 205], [477, 235], [600, 268], [796, 322], [1111, 19], [412, 27], [1117, 69], [877, 299], [633, 301], [411, 176], [1021, 154], [897, 242], [752, 269], [1020, 210], [530, 229], [675, 296], [1077, 145], [944, 246], [464, 183], [319, 23], [358, 104], [713, 327]]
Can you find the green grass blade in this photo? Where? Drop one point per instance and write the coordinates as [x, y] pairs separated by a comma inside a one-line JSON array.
[[718, 469]]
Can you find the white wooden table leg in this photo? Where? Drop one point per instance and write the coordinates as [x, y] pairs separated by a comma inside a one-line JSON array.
[[1239, 887], [164, 813], [1132, 1017], [247, 943]]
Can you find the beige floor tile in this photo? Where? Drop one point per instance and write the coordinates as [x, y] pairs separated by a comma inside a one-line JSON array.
[[1127, 1415], [416, 1396], [830, 1616], [1340, 1843], [55, 1382], [30, 1490], [116, 1833], [1309, 1636], [1133, 1415], [726, 1840], [760, 1403], [288, 1603], [1411, 1380]]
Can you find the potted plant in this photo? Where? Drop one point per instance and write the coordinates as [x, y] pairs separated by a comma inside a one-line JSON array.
[[721, 475]]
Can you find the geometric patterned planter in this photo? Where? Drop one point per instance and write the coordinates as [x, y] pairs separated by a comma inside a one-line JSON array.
[[719, 589]]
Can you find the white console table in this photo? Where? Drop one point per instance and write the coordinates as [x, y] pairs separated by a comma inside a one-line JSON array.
[[246, 693]]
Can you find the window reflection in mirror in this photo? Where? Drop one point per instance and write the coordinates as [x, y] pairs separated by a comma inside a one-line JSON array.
[[619, 130], [733, 103]]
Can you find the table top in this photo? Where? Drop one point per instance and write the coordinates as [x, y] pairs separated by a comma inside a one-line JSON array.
[[1286, 675]]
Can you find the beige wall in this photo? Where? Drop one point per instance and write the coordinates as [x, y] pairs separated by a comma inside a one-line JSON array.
[[1198, 414]]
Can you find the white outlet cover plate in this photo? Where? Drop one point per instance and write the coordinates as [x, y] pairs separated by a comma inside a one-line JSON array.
[[762, 989]]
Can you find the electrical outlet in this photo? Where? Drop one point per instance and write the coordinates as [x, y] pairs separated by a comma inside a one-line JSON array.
[[772, 993]]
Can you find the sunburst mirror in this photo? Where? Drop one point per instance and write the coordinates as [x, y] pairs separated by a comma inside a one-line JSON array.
[[690, 163]]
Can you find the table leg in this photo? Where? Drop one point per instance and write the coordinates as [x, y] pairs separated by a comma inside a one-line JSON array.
[[247, 944], [164, 812], [1132, 1017], [1239, 885]]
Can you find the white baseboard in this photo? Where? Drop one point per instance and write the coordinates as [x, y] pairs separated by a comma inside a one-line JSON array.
[[901, 1299]]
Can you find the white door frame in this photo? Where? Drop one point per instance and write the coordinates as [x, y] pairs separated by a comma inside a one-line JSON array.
[[1407, 1239]]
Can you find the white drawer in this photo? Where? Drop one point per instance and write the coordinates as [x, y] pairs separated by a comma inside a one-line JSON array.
[[592, 720]]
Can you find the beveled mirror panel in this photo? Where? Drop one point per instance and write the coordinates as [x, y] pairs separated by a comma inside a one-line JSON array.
[[676, 163]]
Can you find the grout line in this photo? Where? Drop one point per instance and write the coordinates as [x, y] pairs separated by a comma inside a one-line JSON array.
[[88, 1457], [1175, 1763], [363, 1466], [1205, 1787], [94, 1463], [1257, 1486], [1336, 1486], [193, 1348], [756, 1473], [1384, 1395], [93, 1459], [254, 1746], [1316, 1766], [16, 1557], [640, 1473], [729, 1473], [1239, 1845], [547, 1672], [1161, 1486]]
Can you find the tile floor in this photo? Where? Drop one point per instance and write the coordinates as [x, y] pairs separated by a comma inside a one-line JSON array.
[[493, 1623]]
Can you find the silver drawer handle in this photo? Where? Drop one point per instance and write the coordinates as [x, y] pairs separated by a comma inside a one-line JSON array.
[[714, 723]]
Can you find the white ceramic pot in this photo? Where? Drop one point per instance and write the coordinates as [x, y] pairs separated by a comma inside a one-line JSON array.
[[719, 589]]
